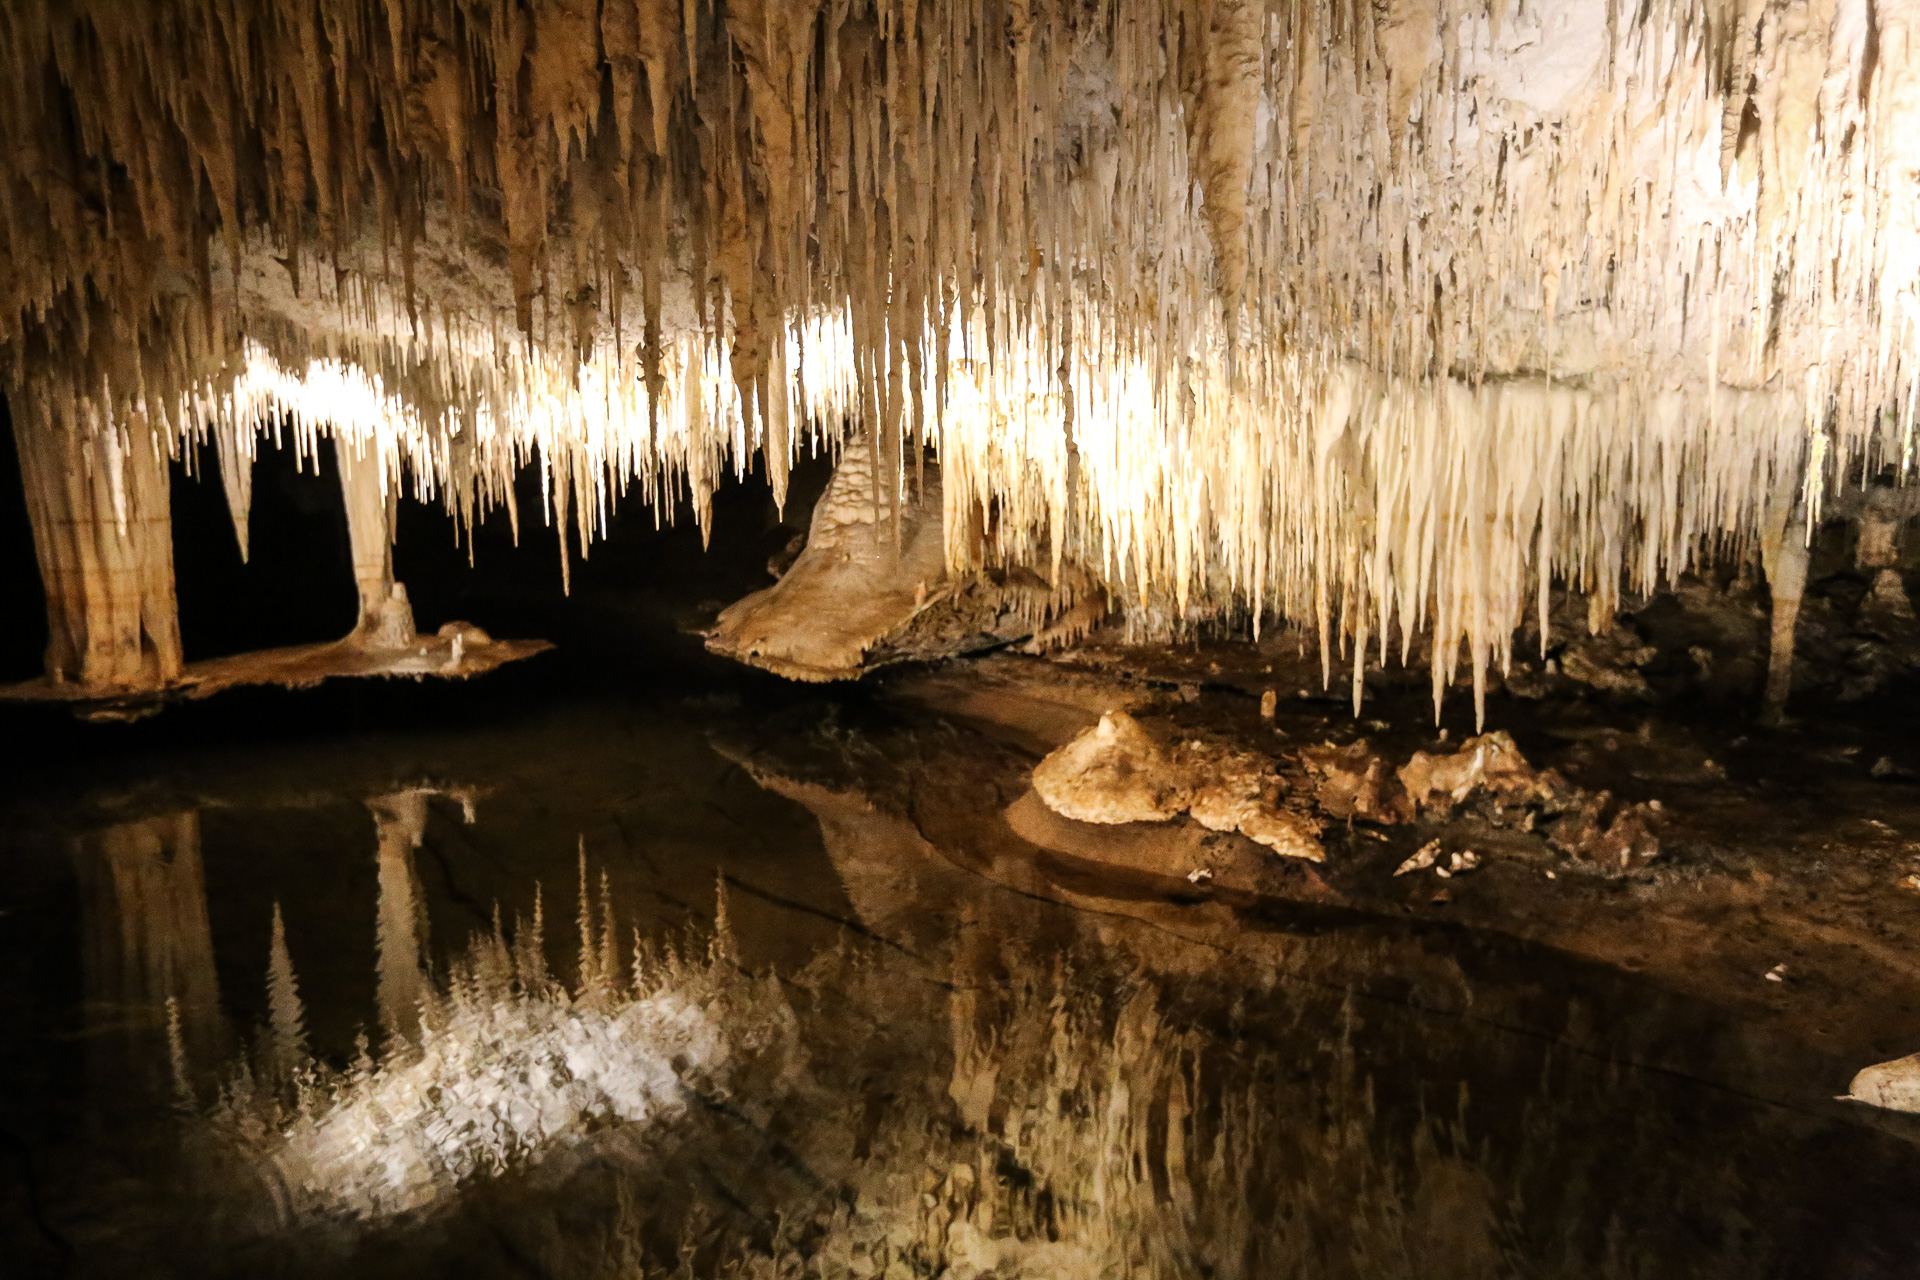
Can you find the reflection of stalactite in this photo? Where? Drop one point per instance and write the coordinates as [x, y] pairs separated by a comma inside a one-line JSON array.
[[147, 936], [401, 820], [288, 1017]]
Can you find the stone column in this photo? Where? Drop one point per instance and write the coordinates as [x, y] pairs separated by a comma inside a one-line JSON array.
[[1784, 555], [103, 531], [1884, 512], [372, 498]]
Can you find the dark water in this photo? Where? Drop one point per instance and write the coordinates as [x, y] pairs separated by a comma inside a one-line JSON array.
[[919, 1047], [913, 1053]]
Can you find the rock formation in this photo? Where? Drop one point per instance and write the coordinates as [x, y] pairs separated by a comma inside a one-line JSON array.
[[104, 538], [1116, 772], [1383, 318], [873, 586]]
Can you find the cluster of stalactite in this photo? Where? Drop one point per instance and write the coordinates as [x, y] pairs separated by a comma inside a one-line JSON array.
[[1380, 314]]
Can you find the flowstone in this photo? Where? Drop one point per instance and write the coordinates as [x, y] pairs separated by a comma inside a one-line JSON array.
[[873, 587]]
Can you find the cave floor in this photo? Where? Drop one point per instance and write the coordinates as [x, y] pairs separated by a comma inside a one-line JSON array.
[[999, 1042], [291, 667], [1789, 851]]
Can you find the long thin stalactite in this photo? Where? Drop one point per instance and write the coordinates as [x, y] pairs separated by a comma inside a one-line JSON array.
[[1382, 316]]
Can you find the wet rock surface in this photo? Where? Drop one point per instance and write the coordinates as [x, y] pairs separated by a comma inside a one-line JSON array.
[[1670, 839]]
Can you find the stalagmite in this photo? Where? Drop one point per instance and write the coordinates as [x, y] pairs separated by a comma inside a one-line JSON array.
[[386, 619], [1882, 516], [1786, 566], [1382, 318], [855, 598]]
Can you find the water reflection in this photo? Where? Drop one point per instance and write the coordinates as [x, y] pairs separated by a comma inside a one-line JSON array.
[[401, 821], [148, 949], [924, 1048]]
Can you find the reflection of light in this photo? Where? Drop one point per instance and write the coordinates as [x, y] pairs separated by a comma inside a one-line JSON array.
[[493, 1085]]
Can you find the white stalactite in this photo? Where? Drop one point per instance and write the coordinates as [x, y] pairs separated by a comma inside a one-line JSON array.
[[1378, 316]]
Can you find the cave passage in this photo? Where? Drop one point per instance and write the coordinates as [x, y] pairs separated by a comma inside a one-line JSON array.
[[959, 638]]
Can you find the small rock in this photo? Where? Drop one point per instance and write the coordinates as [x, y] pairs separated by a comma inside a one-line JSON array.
[[1777, 974], [1894, 1085], [1910, 881], [1199, 874], [1420, 861], [1355, 782], [1116, 772], [1269, 703]]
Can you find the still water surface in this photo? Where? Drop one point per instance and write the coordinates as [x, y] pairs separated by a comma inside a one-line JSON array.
[[614, 989]]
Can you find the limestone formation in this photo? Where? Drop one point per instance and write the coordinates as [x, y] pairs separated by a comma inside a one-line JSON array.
[[1489, 765], [103, 532], [1383, 318], [1894, 1085], [1487, 778], [872, 586], [1116, 772]]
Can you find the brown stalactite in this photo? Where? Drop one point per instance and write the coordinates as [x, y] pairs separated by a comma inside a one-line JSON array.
[[1367, 314]]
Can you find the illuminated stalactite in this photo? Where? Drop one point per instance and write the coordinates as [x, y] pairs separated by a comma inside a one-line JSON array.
[[235, 443], [1377, 316]]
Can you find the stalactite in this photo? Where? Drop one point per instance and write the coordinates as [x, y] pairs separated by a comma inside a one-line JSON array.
[[235, 444], [1380, 317]]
